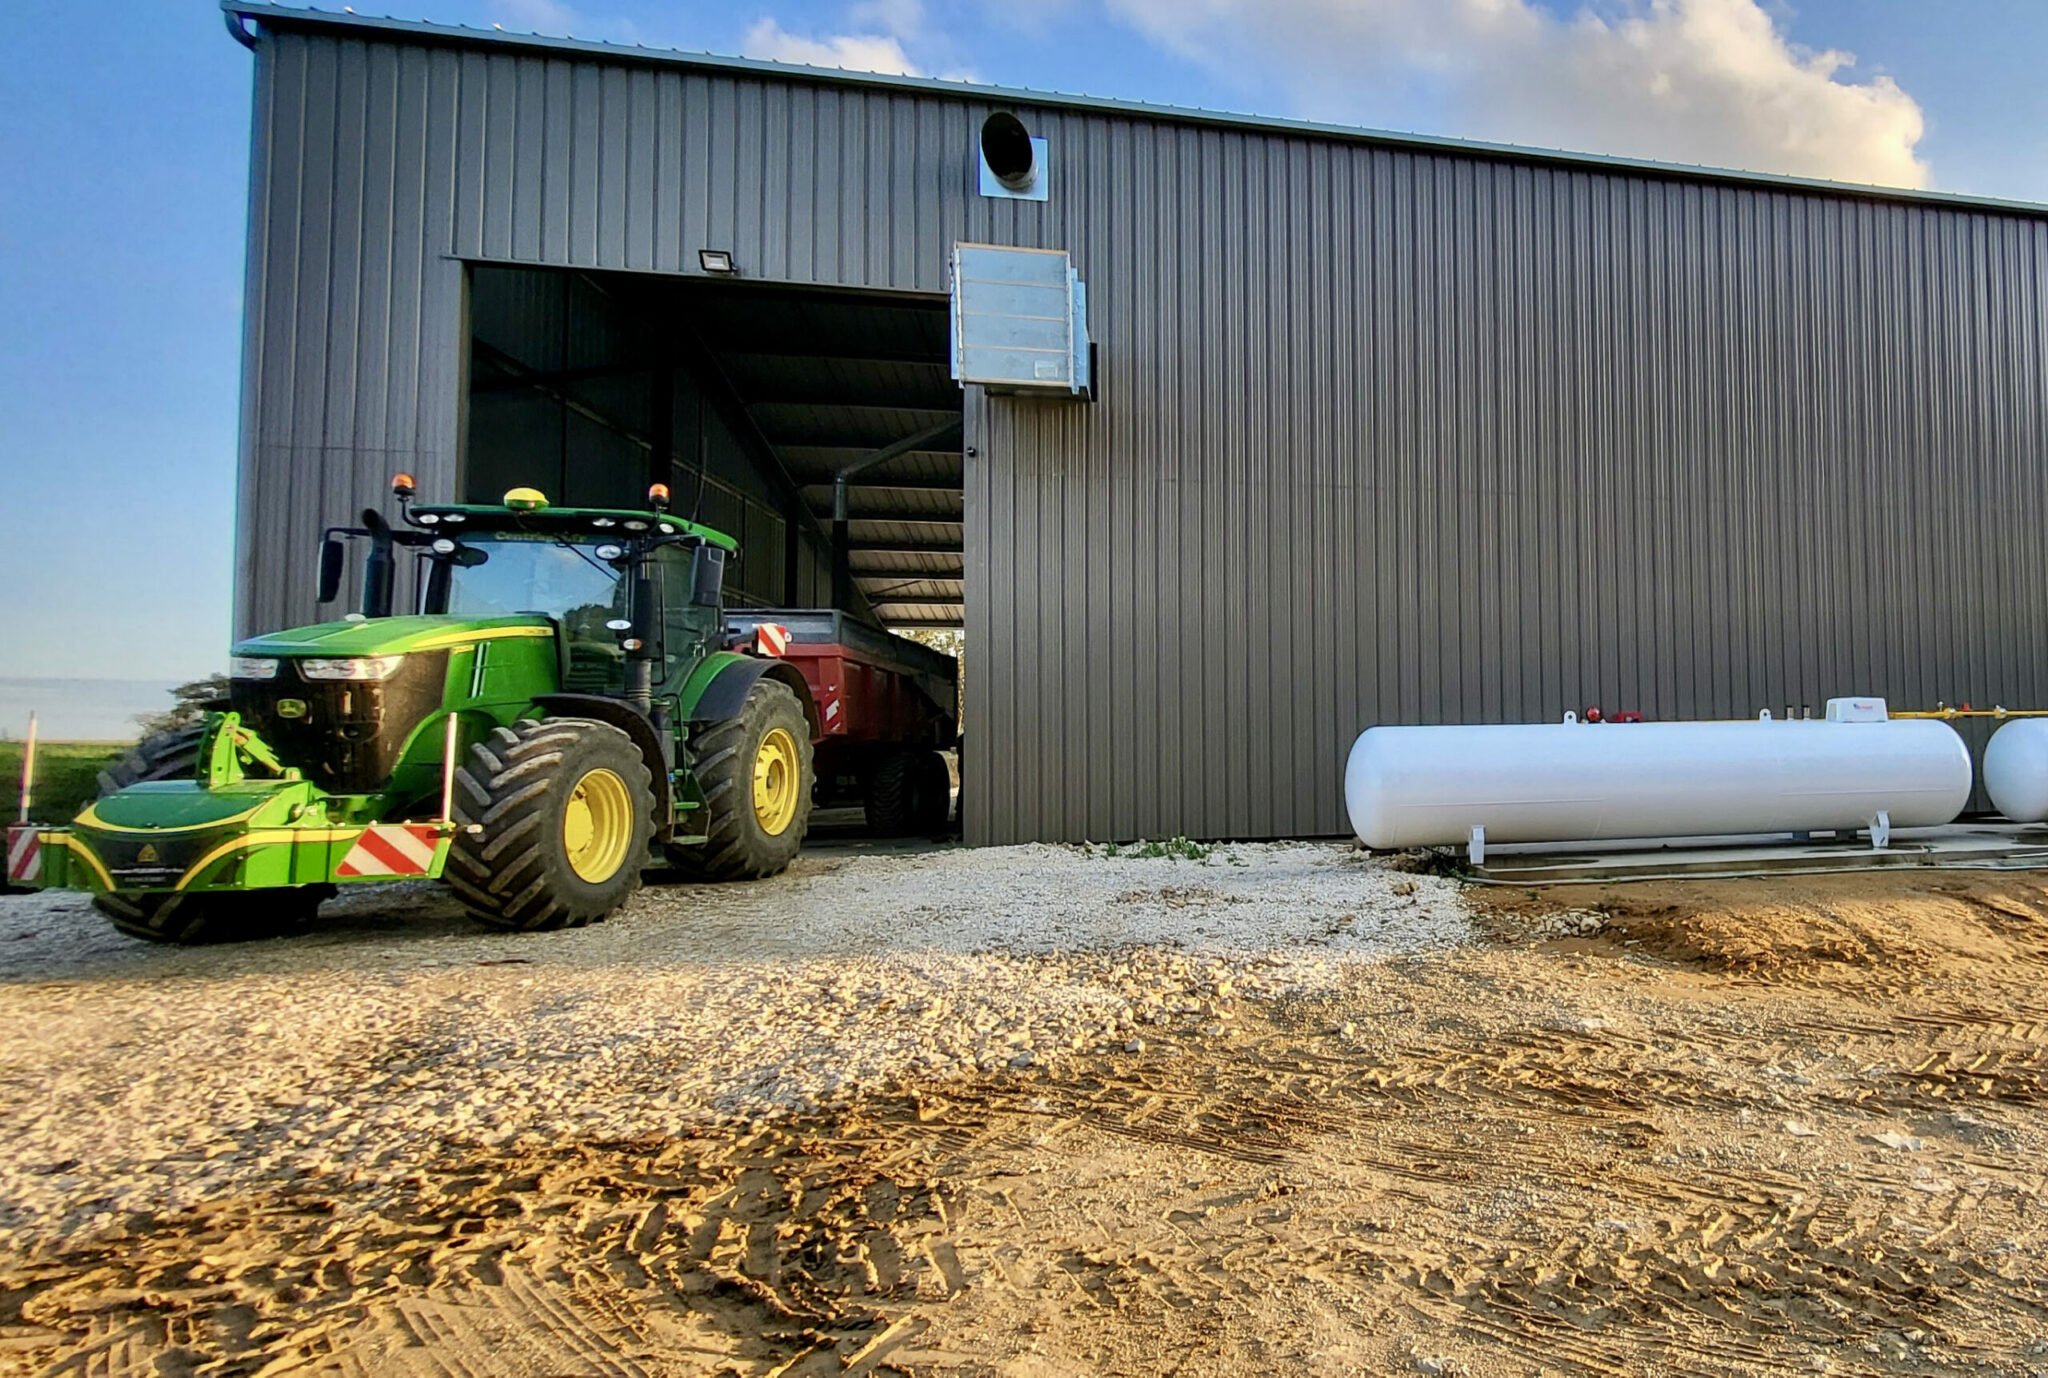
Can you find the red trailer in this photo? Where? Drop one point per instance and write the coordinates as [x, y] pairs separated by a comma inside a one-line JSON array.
[[888, 706]]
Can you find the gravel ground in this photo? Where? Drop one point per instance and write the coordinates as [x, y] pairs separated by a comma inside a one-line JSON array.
[[141, 1078]]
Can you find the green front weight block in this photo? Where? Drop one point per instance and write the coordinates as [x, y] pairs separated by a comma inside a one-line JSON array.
[[249, 835]]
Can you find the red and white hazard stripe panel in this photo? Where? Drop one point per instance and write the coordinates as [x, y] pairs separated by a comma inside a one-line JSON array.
[[771, 639], [391, 849], [24, 855], [831, 711]]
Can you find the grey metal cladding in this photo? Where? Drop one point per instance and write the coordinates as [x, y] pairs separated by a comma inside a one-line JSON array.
[[1386, 434], [1388, 437]]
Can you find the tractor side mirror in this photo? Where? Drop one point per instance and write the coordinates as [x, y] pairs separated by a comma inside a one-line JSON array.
[[707, 576], [332, 555]]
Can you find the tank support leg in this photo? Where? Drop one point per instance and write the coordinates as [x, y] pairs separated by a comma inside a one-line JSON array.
[[1880, 831], [1475, 846]]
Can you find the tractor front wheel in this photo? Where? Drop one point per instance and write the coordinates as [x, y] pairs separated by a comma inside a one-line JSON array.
[[216, 916], [172, 755], [556, 818], [755, 771]]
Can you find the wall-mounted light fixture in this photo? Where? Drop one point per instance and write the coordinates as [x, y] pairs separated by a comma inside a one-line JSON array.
[[716, 261]]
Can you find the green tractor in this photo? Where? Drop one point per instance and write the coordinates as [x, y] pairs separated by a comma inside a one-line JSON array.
[[562, 711]]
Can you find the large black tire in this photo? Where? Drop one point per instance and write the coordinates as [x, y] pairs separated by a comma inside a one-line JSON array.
[[725, 755], [221, 917], [172, 755], [910, 794], [519, 871]]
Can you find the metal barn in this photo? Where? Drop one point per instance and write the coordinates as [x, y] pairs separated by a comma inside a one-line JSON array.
[[1380, 428]]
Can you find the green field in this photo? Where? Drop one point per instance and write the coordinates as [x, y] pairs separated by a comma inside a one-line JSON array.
[[66, 775]]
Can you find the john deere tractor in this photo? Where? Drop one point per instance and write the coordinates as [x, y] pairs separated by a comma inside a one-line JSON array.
[[560, 711]]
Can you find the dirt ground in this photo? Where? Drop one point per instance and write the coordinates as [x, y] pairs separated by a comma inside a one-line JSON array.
[[1754, 1127]]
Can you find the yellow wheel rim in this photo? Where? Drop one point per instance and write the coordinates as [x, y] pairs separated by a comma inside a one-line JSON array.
[[597, 826], [778, 779]]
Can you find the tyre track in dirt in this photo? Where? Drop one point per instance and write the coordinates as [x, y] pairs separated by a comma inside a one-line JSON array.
[[1670, 1148]]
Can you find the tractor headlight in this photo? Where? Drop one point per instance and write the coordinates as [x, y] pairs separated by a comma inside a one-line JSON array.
[[351, 667], [252, 667]]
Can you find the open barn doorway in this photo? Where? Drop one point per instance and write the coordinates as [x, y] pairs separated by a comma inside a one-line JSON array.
[[819, 427]]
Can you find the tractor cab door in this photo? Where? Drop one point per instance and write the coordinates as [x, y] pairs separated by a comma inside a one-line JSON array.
[[689, 627]]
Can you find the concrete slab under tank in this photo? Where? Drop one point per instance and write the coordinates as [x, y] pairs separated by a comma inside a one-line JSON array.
[[1959, 846]]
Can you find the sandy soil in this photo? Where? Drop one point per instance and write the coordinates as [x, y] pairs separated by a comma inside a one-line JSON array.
[[1732, 1127]]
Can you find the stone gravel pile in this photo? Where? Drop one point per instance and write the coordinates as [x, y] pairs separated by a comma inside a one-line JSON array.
[[135, 1077]]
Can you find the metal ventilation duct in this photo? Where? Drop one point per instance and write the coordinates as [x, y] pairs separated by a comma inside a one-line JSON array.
[[1020, 321], [1011, 163]]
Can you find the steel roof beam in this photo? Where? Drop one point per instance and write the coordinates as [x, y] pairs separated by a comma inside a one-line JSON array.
[[849, 351], [926, 520], [952, 553], [892, 485], [842, 533]]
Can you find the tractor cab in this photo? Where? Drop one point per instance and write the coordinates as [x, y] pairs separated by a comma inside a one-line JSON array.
[[623, 589]]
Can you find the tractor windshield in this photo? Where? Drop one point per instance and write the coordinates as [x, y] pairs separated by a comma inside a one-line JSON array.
[[508, 574]]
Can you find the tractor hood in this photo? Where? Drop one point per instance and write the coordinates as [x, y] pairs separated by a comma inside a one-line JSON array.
[[383, 636], [173, 806]]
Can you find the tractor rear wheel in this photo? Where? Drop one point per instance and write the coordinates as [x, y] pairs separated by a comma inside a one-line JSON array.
[[910, 794], [755, 771], [216, 917], [564, 812]]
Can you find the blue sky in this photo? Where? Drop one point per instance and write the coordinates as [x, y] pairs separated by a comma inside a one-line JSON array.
[[123, 167]]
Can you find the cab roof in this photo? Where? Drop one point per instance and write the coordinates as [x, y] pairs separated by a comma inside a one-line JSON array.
[[596, 520]]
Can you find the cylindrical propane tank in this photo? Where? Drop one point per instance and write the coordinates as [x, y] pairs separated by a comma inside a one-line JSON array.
[[2016, 770], [1571, 781]]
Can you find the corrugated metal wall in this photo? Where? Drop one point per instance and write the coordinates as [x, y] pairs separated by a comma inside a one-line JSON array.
[[1390, 437], [1385, 435]]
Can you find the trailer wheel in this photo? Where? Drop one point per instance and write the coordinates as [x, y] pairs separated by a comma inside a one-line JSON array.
[[209, 917], [910, 794], [563, 811], [755, 771]]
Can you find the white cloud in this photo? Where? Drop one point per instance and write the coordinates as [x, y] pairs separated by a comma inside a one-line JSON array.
[[554, 19], [1691, 81], [550, 17], [902, 19], [868, 52]]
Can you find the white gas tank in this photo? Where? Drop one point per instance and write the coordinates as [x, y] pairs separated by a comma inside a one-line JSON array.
[[2016, 770], [1572, 781]]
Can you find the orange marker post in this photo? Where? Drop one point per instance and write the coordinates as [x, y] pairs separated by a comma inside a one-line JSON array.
[[28, 769], [448, 773]]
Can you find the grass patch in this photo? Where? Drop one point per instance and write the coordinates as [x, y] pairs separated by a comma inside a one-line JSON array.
[[1171, 849], [67, 776]]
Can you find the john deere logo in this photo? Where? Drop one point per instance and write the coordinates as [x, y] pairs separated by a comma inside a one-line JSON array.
[[147, 854], [291, 708]]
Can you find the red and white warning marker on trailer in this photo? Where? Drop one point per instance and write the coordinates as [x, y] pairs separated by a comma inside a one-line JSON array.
[[24, 854], [771, 639], [392, 849]]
